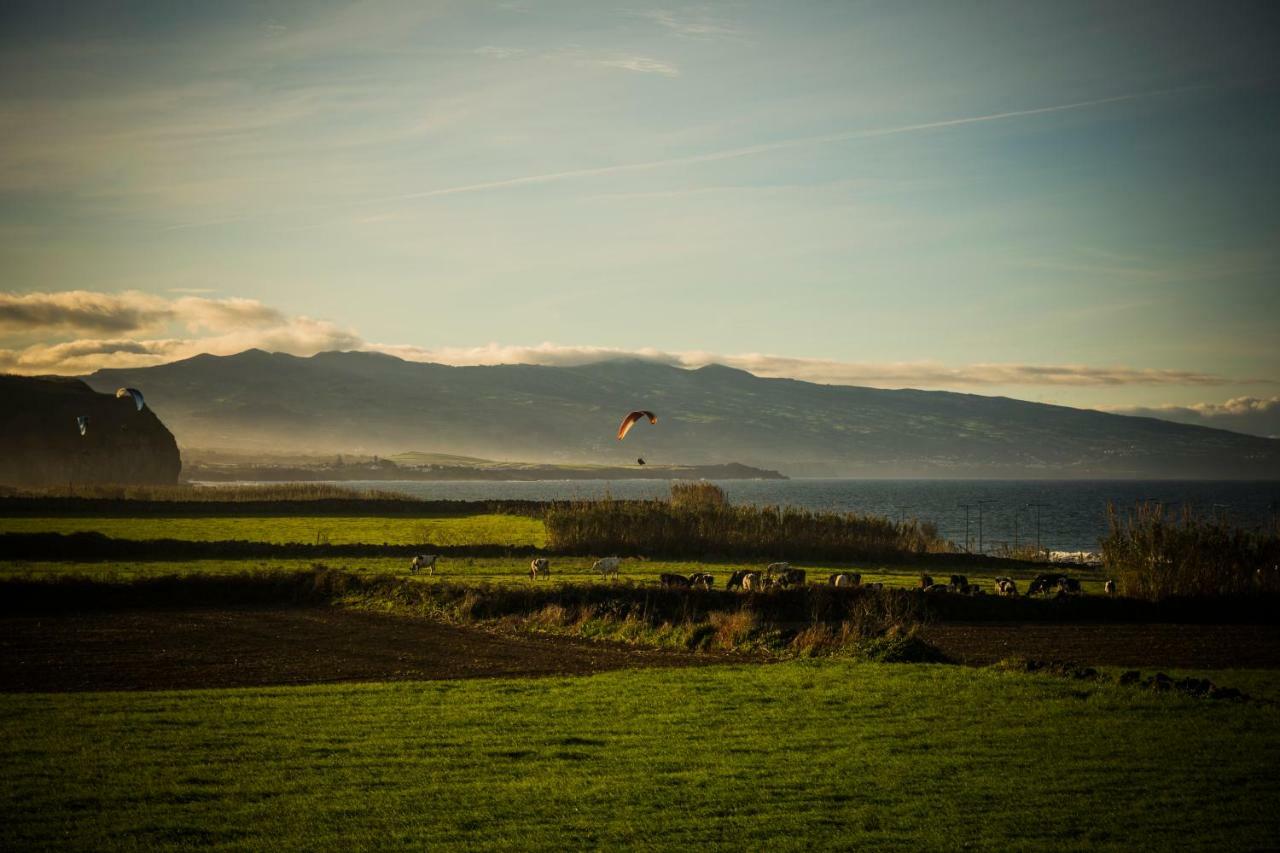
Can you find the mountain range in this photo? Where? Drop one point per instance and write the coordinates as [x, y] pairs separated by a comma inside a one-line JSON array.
[[373, 403]]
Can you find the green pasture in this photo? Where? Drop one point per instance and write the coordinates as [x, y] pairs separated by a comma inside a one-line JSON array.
[[448, 530], [500, 570], [794, 756]]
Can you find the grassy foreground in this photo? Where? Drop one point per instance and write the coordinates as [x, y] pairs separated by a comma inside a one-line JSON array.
[[800, 755], [456, 530]]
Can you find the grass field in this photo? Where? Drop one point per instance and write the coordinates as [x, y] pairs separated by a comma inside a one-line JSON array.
[[502, 569], [790, 756], [457, 530]]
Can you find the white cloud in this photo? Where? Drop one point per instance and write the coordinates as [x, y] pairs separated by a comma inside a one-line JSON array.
[[496, 52], [82, 311], [296, 335], [639, 64], [1253, 415], [693, 24], [128, 311]]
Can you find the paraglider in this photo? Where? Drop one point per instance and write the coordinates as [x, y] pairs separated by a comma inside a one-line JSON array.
[[82, 421], [135, 394], [630, 420]]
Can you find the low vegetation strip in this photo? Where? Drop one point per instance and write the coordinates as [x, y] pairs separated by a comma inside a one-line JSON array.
[[869, 611], [833, 755], [212, 503]]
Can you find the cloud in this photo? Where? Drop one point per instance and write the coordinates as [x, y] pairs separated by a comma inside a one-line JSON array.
[[895, 374], [692, 25], [81, 311], [129, 311], [122, 322], [639, 64], [296, 336], [496, 52], [224, 314], [1253, 415]]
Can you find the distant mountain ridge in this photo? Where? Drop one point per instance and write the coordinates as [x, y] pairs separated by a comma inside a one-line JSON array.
[[358, 401]]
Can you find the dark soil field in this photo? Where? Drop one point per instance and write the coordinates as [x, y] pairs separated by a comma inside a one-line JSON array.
[[211, 648], [1149, 645]]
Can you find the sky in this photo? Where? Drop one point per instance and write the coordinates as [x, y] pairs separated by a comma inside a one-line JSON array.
[[1075, 203]]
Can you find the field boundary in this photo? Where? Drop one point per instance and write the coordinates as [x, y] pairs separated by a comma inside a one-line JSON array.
[[89, 546], [808, 605], [72, 507]]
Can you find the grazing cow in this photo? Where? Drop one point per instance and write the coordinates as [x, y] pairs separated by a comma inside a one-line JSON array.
[[702, 580], [791, 577], [1006, 586], [959, 581], [540, 566], [874, 587], [775, 568], [926, 581], [673, 581], [735, 579], [606, 566], [752, 581], [424, 561], [1109, 587], [1070, 586], [937, 587], [1044, 583], [845, 579]]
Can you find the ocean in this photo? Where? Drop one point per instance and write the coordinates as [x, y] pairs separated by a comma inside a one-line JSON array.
[[1072, 513]]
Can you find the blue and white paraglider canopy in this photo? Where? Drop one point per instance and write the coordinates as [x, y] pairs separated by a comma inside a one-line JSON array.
[[135, 394]]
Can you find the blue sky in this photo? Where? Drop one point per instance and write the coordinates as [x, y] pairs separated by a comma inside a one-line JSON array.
[[1065, 202]]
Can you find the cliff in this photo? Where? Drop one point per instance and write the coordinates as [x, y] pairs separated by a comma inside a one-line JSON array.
[[41, 444]]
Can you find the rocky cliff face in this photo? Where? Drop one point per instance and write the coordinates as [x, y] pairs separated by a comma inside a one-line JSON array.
[[41, 444]]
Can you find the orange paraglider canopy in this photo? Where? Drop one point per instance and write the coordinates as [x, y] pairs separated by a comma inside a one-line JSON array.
[[630, 420]]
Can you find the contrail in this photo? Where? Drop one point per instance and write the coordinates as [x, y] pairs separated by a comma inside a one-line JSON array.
[[750, 150], [734, 153]]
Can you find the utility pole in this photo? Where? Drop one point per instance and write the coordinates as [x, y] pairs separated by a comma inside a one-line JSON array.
[[1015, 530], [1037, 507], [966, 508], [981, 505]]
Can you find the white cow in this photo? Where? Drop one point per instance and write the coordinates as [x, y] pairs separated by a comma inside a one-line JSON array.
[[777, 568], [752, 581], [540, 566], [424, 561], [607, 566], [1109, 587], [1006, 586]]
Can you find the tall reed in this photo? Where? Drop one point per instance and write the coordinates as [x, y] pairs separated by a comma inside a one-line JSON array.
[[698, 522], [1155, 554]]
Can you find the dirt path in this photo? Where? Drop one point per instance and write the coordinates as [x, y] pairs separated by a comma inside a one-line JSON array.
[[1171, 646], [195, 648]]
